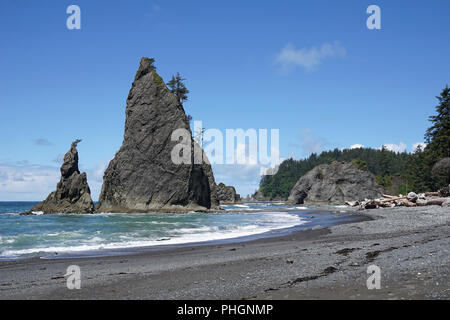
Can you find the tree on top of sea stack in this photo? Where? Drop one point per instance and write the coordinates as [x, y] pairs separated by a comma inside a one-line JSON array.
[[177, 87], [143, 177]]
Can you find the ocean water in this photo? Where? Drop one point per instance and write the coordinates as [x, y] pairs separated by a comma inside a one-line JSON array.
[[52, 235]]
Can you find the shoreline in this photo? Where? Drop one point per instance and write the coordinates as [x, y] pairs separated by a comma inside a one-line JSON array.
[[320, 218], [410, 245]]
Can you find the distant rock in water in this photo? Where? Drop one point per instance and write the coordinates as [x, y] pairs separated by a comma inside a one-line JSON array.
[[259, 196], [335, 184], [142, 176], [72, 193], [227, 194]]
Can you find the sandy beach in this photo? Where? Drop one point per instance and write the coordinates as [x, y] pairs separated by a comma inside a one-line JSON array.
[[410, 245]]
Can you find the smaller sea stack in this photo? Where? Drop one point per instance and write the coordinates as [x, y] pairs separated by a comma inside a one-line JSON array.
[[72, 193]]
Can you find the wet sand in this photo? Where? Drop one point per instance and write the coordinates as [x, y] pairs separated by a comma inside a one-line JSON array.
[[410, 245]]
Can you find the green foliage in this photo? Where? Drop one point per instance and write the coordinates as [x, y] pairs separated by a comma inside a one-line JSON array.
[[441, 171], [159, 81], [396, 172], [383, 163], [438, 135], [362, 165], [438, 139], [151, 62], [177, 87], [385, 181], [416, 172]]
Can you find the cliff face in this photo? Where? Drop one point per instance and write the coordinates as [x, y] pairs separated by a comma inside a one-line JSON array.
[[142, 175], [72, 193], [335, 184], [227, 194]]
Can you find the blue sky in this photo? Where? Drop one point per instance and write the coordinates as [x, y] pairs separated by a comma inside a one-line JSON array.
[[311, 69]]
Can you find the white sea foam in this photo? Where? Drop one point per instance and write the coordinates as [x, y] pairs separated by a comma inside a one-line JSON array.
[[232, 207], [11, 213], [268, 222], [301, 208]]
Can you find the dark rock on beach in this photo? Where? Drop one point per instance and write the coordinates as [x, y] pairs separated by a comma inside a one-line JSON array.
[[227, 194], [72, 193], [335, 184], [142, 176]]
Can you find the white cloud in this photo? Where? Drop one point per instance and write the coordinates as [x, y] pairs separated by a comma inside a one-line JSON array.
[[242, 151], [27, 182], [21, 181], [356, 146], [95, 178], [311, 143], [308, 58], [264, 171], [401, 147], [244, 177], [418, 144]]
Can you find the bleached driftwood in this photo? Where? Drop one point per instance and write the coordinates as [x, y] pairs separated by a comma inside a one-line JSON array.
[[410, 200], [435, 201], [431, 194], [394, 199]]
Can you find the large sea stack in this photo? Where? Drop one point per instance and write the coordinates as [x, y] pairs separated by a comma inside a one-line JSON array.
[[72, 193], [142, 176], [335, 184]]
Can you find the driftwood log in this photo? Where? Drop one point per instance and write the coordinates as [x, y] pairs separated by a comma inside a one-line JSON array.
[[410, 200], [435, 201], [431, 194], [394, 199]]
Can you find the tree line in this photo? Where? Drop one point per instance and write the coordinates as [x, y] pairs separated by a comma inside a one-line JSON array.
[[423, 170]]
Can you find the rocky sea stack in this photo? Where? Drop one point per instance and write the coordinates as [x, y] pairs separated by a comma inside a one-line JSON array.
[[335, 184], [142, 176], [72, 193], [227, 194]]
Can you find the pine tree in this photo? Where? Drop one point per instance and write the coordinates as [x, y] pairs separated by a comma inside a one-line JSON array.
[[151, 62], [438, 138], [178, 88], [418, 172], [384, 169], [438, 135]]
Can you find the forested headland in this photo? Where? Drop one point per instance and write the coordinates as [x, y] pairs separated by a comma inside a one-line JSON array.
[[423, 170]]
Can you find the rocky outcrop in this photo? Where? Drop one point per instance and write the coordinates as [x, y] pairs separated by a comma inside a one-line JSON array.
[[335, 184], [227, 194], [444, 192], [142, 176], [72, 193]]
